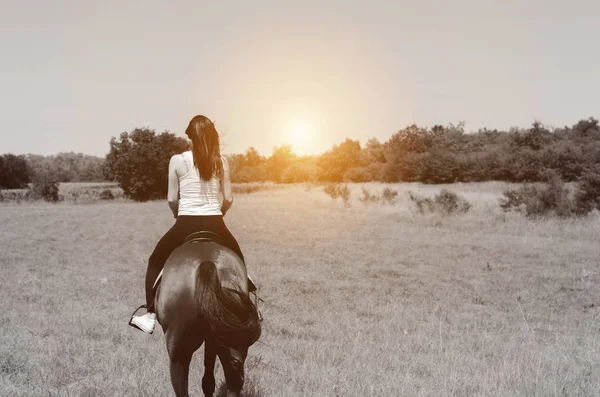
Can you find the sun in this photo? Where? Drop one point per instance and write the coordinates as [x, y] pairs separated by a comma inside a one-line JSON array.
[[301, 137]]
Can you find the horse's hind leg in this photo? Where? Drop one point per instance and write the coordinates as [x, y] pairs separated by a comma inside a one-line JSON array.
[[180, 356], [232, 361], [180, 368], [208, 380]]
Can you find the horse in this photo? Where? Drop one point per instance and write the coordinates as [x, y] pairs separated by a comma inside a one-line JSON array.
[[203, 298]]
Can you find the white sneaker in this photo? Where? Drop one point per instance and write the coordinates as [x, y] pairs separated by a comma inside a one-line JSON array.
[[146, 323]]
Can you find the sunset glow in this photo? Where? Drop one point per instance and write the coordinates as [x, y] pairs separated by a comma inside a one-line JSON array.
[[302, 137]]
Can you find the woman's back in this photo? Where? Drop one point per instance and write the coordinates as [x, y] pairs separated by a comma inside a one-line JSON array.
[[197, 196]]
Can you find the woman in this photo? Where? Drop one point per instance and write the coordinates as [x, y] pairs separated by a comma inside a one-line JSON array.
[[196, 178]]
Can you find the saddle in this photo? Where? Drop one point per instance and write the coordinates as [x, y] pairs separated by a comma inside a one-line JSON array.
[[203, 237]]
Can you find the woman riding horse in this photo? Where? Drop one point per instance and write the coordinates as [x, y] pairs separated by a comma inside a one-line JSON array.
[[197, 178]]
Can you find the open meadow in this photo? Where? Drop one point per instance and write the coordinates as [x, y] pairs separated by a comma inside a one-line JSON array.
[[364, 300]]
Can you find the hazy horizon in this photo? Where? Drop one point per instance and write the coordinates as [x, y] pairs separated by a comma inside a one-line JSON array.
[[74, 75]]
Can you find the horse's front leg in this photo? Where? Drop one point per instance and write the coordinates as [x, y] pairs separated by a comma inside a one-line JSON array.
[[208, 380]]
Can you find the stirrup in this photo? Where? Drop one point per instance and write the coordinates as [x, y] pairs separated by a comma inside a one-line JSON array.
[[133, 314]]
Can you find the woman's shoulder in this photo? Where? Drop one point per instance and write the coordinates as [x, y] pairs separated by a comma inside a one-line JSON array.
[[180, 156], [224, 161], [180, 162]]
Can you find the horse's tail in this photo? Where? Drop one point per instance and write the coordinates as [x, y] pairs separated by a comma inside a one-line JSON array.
[[229, 314]]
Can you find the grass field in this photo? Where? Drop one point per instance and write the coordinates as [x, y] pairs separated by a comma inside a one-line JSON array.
[[360, 301]]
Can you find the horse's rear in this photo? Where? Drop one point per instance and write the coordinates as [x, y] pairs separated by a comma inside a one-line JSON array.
[[203, 297]]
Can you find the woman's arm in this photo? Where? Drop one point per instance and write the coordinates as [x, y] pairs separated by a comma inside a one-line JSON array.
[[226, 188], [173, 189]]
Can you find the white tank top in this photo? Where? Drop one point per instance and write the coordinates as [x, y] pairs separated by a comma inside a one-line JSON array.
[[196, 196]]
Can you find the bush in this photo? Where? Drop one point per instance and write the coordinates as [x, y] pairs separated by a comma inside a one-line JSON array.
[[389, 195], [424, 204], [552, 199], [335, 190], [332, 190], [15, 195], [367, 197], [106, 194], [450, 202], [45, 186], [445, 202], [587, 196], [139, 161], [512, 200]]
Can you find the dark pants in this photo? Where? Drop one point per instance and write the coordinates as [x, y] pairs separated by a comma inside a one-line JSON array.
[[183, 227]]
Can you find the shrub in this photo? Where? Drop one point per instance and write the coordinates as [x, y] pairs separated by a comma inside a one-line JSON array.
[[445, 202], [106, 194], [345, 195], [587, 197], [450, 202], [332, 190], [424, 204], [139, 161], [335, 190], [45, 186], [512, 200], [536, 201], [16, 195], [389, 195], [367, 197]]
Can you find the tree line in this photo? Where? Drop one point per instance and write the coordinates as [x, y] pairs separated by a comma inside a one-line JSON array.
[[440, 154], [17, 171], [139, 159]]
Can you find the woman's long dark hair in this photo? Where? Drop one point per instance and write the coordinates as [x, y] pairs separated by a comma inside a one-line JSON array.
[[205, 147]]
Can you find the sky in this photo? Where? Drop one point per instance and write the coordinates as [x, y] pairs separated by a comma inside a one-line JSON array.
[[73, 74]]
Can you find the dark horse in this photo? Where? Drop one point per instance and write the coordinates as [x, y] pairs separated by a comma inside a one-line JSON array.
[[203, 297]]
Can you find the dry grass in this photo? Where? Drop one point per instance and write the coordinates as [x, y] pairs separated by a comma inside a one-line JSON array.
[[360, 301]]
